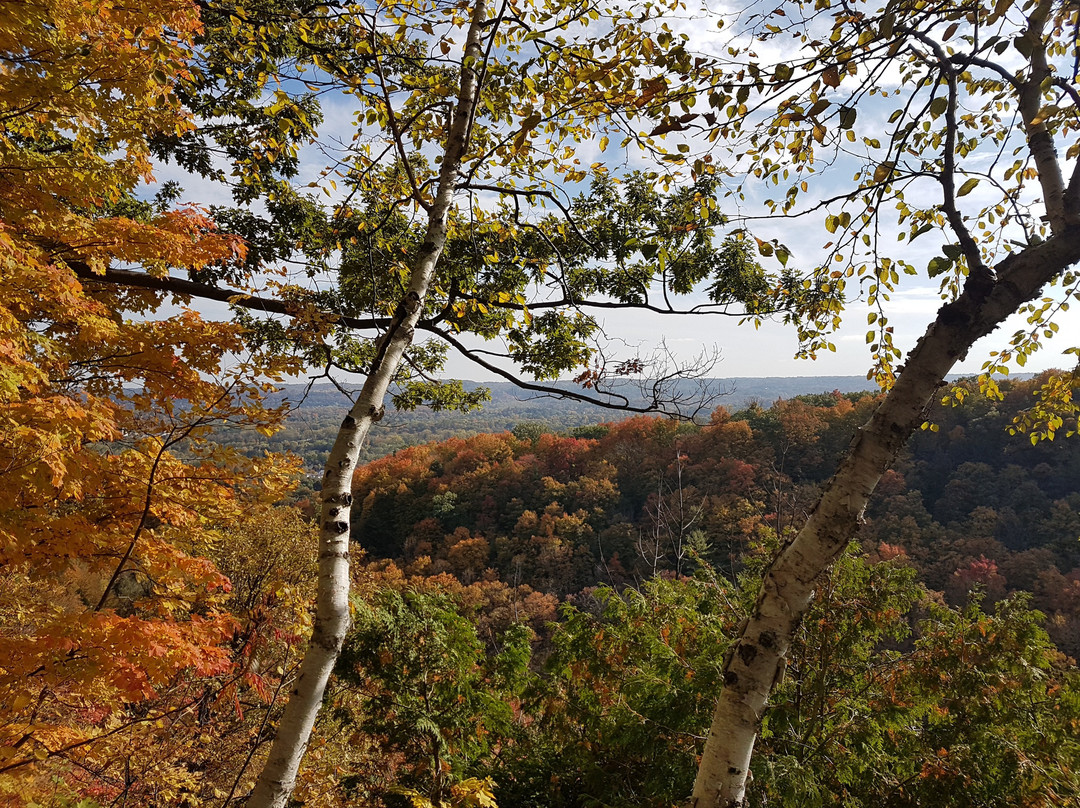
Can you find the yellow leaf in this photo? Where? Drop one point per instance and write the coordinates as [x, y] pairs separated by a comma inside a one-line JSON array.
[[883, 171]]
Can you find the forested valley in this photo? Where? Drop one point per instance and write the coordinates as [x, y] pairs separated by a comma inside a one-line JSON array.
[[540, 617], [925, 673]]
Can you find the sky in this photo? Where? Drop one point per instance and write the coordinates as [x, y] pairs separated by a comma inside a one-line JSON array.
[[743, 349]]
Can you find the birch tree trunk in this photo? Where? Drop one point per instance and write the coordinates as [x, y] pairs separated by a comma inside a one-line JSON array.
[[278, 777], [989, 296], [757, 660]]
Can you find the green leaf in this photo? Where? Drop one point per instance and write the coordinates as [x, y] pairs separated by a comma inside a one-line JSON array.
[[919, 231], [967, 187], [938, 265]]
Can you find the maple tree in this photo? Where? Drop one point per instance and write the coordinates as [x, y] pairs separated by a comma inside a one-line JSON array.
[[110, 495]]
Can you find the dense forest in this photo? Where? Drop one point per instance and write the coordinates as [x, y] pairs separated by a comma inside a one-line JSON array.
[[936, 667], [618, 504], [541, 616]]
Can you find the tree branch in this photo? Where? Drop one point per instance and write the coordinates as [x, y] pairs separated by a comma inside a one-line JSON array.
[[948, 185], [202, 291], [655, 406], [1040, 140], [499, 189]]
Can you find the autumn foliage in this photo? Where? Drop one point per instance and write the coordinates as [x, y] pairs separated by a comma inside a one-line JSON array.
[[112, 502]]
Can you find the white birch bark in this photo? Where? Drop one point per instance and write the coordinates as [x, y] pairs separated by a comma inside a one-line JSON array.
[[757, 659], [758, 655], [278, 777]]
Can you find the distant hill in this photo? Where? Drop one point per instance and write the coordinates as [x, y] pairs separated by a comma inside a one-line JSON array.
[[313, 425], [733, 393]]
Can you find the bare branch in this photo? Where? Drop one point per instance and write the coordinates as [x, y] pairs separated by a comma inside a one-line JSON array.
[[659, 402]]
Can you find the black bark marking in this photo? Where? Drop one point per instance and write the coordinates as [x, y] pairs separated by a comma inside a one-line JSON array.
[[747, 652], [337, 527], [767, 640], [731, 678], [954, 315], [408, 305], [348, 423]]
